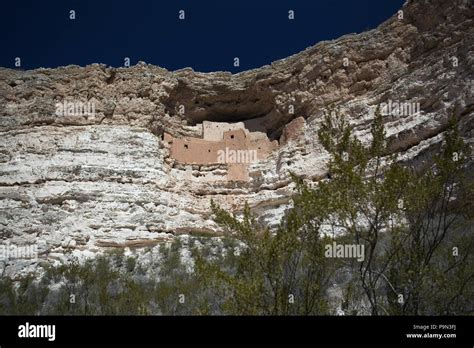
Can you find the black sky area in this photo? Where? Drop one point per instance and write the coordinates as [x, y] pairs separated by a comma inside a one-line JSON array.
[[213, 33]]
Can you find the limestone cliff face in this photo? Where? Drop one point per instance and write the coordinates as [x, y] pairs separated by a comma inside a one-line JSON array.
[[80, 182]]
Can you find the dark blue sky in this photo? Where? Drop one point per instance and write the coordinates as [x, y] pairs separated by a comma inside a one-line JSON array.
[[213, 33]]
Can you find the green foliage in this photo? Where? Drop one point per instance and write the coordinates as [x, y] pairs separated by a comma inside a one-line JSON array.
[[107, 285], [277, 273], [416, 228], [407, 221]]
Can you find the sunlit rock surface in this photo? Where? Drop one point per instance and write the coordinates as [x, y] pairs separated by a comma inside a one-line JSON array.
[[77, 184]]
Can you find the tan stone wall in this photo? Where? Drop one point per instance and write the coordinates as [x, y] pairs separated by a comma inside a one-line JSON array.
[[235, 147], [214, 131]]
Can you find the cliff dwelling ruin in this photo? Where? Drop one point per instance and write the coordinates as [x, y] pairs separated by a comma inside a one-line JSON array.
[[222, 143]]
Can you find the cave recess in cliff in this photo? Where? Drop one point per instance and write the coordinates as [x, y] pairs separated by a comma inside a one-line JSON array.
[[222, 102]]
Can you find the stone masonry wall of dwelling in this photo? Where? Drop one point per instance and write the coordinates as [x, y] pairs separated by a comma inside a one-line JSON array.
[[214, 131], [223, 137]]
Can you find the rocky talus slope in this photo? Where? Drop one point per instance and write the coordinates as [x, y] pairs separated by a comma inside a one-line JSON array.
[[78, 184]]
